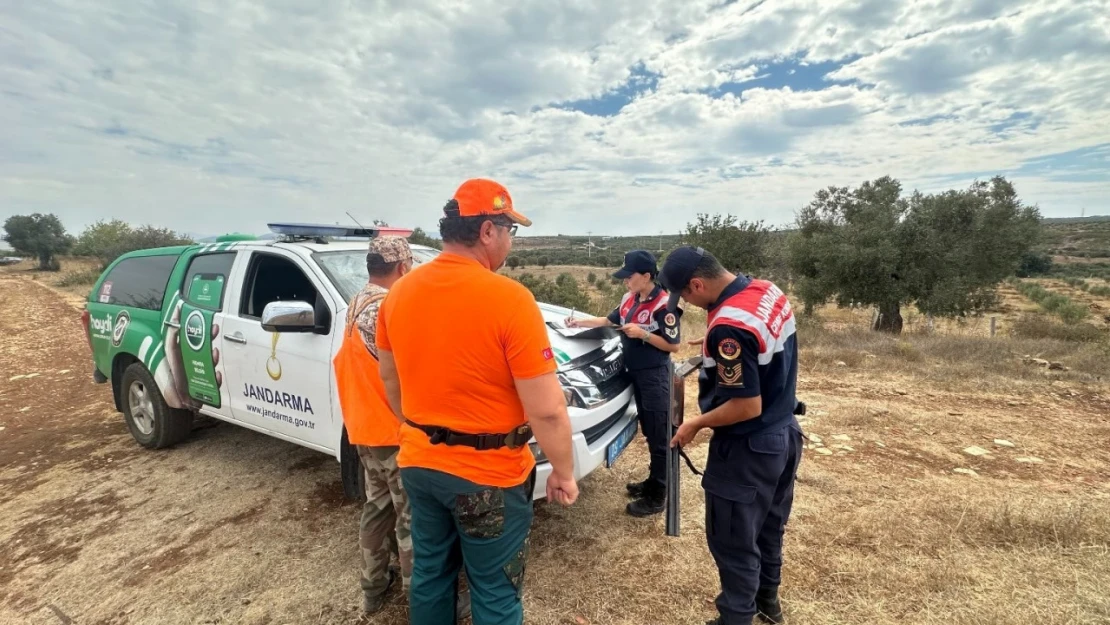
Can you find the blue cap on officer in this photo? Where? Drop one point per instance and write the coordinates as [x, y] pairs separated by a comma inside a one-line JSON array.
[[677, 271], [637, 261]]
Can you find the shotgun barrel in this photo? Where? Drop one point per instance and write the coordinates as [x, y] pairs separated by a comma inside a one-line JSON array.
[[675, 414]]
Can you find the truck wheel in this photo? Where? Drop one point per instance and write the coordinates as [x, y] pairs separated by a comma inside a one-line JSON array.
[[151, 421], [351, 473]]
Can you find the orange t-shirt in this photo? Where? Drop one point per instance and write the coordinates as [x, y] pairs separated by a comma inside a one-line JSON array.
[[459, 334]]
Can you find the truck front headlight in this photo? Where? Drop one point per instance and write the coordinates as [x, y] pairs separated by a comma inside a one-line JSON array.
[[578, 390]]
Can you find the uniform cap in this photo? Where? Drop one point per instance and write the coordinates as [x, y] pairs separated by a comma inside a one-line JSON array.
[[480, 196], [388, 250], [677, 271], [637, 261]]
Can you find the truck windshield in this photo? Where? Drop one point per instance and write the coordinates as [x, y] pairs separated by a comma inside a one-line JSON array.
[[347, 269]]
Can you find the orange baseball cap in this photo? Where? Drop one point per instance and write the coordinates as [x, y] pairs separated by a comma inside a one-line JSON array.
[[480, 196]]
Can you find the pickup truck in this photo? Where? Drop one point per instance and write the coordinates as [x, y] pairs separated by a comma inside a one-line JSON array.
[[206, 329]]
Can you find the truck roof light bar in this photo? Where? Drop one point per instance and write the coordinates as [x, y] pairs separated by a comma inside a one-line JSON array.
[[321, 232]]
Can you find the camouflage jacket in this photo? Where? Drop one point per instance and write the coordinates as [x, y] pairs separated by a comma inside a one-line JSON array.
[[365, 306]]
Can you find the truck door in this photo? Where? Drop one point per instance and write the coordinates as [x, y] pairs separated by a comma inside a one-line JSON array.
[[199, 321], [281, 382]]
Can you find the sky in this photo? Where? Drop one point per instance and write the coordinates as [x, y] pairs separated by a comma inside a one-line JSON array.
[[617, 117]]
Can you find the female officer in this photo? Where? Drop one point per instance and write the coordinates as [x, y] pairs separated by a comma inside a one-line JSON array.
[[651, 335]]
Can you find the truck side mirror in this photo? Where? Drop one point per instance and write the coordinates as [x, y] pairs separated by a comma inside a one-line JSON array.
[[293, 316]]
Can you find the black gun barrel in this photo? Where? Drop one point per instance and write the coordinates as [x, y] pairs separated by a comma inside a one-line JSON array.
[[675, 389]]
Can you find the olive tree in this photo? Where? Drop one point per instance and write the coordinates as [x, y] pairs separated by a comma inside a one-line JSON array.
[[944, 252], [38, 235]]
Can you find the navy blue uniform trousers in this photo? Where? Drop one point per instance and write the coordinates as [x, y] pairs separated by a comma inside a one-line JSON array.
[[749, 490], [651, 388]]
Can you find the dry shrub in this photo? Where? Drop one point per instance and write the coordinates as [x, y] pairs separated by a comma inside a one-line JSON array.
[[1042, 327], [958, 359], [85, 277]]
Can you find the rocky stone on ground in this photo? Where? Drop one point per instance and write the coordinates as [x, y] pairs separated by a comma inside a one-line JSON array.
[[976, 451]]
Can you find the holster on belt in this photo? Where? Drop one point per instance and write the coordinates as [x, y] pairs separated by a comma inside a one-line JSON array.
[[440, 435]]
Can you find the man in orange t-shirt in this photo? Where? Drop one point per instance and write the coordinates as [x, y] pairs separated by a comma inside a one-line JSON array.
[[467, 363]]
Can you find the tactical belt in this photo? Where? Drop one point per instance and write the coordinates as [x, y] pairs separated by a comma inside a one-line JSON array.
[[440, 435]]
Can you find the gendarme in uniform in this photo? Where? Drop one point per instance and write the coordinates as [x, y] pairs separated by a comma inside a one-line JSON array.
[[651, 371], [747, 396]]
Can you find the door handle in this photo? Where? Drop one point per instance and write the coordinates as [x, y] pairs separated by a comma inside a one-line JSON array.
[[237, 338]]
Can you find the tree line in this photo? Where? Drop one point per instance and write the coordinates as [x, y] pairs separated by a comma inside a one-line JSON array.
[[870, 245], [44, 238]]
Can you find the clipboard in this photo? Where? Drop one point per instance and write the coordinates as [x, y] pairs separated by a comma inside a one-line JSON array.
[[589, 334]]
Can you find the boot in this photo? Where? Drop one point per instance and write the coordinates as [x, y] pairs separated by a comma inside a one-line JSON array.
[[767, 605], [371, 605], [636, 489], [653, 501]]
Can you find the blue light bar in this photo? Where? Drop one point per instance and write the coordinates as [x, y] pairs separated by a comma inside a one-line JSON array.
[[325, 230]]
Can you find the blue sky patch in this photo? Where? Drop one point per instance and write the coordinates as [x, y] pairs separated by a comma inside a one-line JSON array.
[[608, 105], [794, 73]]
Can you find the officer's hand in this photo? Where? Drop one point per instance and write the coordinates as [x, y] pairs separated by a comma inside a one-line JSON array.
[[562, 489], [570, 322], [696, 341], [633, 331], [686, 433]]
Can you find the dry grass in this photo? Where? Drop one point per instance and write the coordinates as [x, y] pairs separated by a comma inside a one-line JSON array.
[[235, 527]]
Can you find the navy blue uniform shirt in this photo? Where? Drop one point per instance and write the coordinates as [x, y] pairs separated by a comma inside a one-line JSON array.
[[641, 355], [738, 373]]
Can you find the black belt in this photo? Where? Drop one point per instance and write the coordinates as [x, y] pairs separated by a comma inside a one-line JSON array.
[[440, 435]]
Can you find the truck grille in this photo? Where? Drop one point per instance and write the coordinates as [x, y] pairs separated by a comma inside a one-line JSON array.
[[593, 433], [608, 374], [615, 385]]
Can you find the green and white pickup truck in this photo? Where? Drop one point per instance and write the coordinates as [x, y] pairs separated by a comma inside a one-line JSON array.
[[244, 330]]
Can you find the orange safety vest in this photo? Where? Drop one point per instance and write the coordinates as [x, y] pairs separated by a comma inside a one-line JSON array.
[[366, 413]]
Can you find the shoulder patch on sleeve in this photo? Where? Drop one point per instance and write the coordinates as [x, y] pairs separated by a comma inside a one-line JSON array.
[[729, 349], [730, 374]]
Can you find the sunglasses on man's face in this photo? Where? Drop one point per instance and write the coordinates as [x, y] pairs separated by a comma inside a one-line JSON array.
[[511, 227]]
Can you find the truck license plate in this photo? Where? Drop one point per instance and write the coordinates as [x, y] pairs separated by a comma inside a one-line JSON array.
[[617, 447]]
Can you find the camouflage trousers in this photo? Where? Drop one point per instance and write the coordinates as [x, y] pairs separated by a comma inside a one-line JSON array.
[[384, 529]]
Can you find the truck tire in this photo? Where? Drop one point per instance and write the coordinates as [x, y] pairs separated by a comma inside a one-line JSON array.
[[150, 420], [351, 473]]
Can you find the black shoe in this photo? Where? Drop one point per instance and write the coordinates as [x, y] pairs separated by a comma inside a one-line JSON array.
[[636, 489], [767, 605], [653, 501]]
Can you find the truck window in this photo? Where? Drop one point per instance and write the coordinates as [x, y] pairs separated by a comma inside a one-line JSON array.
[[347, 268], [138, 282], [273, 278], [205, 279]]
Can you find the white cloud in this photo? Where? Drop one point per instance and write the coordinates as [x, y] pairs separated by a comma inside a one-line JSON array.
[[212, 116]]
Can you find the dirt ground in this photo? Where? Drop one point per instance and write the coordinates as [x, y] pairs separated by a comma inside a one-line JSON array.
[[895, 521]]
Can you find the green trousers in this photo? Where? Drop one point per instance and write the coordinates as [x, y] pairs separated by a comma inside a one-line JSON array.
[[458, 523]]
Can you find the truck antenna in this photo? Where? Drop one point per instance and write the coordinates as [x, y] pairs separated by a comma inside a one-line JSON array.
[[356, 222]]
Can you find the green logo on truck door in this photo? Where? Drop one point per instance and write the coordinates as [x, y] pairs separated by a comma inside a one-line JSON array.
[[200, 356], [194, 330]]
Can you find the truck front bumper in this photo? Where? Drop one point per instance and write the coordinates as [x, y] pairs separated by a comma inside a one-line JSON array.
[[590, 448]]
